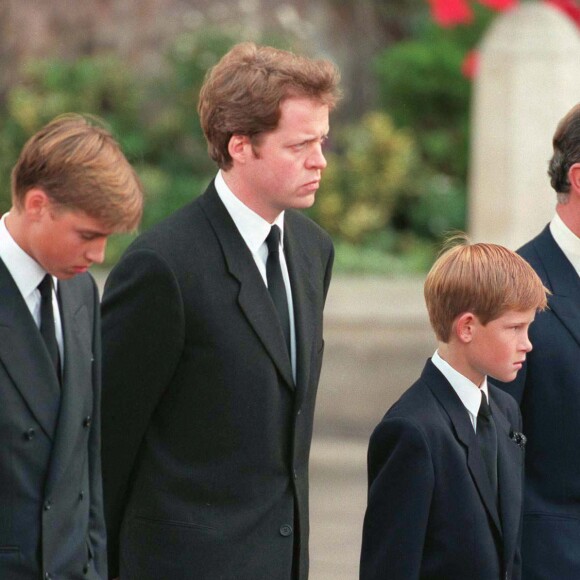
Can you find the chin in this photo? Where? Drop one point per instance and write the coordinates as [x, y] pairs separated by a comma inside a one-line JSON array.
[[507, 378], [305, 202]]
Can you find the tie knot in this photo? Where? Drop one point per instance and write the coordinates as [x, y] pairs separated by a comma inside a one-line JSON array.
[[45, 287], [273, 239], [484, 410]]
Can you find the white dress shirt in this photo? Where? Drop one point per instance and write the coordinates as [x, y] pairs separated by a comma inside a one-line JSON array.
[[27, 273], [568, 241], [254, 230], [468, 392]]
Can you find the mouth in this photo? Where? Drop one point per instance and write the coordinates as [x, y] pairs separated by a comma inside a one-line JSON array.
[[312, 185]]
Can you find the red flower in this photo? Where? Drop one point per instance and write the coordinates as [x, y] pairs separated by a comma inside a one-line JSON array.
[[499, 5], [569, 7], [448, 13]]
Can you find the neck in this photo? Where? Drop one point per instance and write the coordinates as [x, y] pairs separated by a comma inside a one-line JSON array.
[[238, 186], [455, 356], [14, 225], [570, 214]]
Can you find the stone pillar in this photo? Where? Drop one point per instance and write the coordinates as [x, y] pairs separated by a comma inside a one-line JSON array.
[[529, 77]]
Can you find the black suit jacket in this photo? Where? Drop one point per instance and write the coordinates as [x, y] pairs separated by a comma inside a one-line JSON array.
[[431, 511], [206, 438], [51, 506], [548, 389]]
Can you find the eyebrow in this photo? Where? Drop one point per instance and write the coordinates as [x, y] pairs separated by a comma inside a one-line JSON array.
[[96, 233]]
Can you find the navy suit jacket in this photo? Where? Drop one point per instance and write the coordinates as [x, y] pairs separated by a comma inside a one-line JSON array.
[[51, 503], [432, 514], [206, 436], [548, 389]]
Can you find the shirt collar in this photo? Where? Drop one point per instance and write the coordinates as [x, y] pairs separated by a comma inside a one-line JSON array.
[[568, 241], [252, 227], [26, 272], [467, 391]]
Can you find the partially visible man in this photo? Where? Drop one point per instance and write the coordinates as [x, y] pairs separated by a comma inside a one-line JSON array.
[[212, 342], [71, 188], [548, 387]]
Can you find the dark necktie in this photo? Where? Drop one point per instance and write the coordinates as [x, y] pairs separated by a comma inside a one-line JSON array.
[[47, 327], [276, 285], [487, 439]]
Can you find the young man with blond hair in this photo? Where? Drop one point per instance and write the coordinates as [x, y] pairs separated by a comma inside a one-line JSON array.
[[212, 341], [445, 465], [71, 188]]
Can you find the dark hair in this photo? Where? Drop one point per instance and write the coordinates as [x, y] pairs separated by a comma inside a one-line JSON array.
[[566, 143]]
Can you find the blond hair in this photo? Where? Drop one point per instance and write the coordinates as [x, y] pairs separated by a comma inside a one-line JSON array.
[[484, 279], [242, 93], [80, 166]]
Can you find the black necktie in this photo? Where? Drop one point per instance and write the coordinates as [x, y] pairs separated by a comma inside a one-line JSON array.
[[276, 285], [47, 327], [487, 439]]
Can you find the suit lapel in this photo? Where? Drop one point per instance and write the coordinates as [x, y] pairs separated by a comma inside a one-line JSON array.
[[23, 354], [465, 433], [303, 297], [562, 280], [77, 378], [253, 297], [509, 463]]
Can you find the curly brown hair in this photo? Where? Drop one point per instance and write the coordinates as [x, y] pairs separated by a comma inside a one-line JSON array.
[[242, 93]]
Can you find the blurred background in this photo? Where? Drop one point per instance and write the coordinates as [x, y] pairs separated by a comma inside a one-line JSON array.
[[397, 180], [399, 141]]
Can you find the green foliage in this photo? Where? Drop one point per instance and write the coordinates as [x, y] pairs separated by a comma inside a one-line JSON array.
[[412, 255], [422, 87], [154, 119], [395, 179], [367, 171], [177, 142], [101, 86]]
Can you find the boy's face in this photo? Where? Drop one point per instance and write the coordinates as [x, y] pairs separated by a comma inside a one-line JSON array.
[[499, 348], [66, 242]]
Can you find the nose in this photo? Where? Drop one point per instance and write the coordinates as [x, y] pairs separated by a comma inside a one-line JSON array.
[[96, 252], [527, 345], [316, 160]]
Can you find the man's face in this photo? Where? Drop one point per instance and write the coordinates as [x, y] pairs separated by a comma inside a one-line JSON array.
[[67, 242], [284, 170], [499, 348]]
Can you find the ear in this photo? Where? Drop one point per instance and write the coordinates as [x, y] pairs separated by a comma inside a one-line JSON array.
[[239, 147], [574, 177], [464, 327], [35, 203]]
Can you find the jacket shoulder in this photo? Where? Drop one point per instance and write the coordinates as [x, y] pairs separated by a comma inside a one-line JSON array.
[[82, 284], [505, 402], [416, 406], [533, 250], [303, 225]]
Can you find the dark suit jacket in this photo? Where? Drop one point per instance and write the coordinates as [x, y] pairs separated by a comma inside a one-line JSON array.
[[51, 505], [431, 511], [206, 438], [548, 388]]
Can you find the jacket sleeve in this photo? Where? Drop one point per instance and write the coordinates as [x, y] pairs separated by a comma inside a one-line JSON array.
[[401, 481], [97, 533], [143, 334], [328, 270]]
